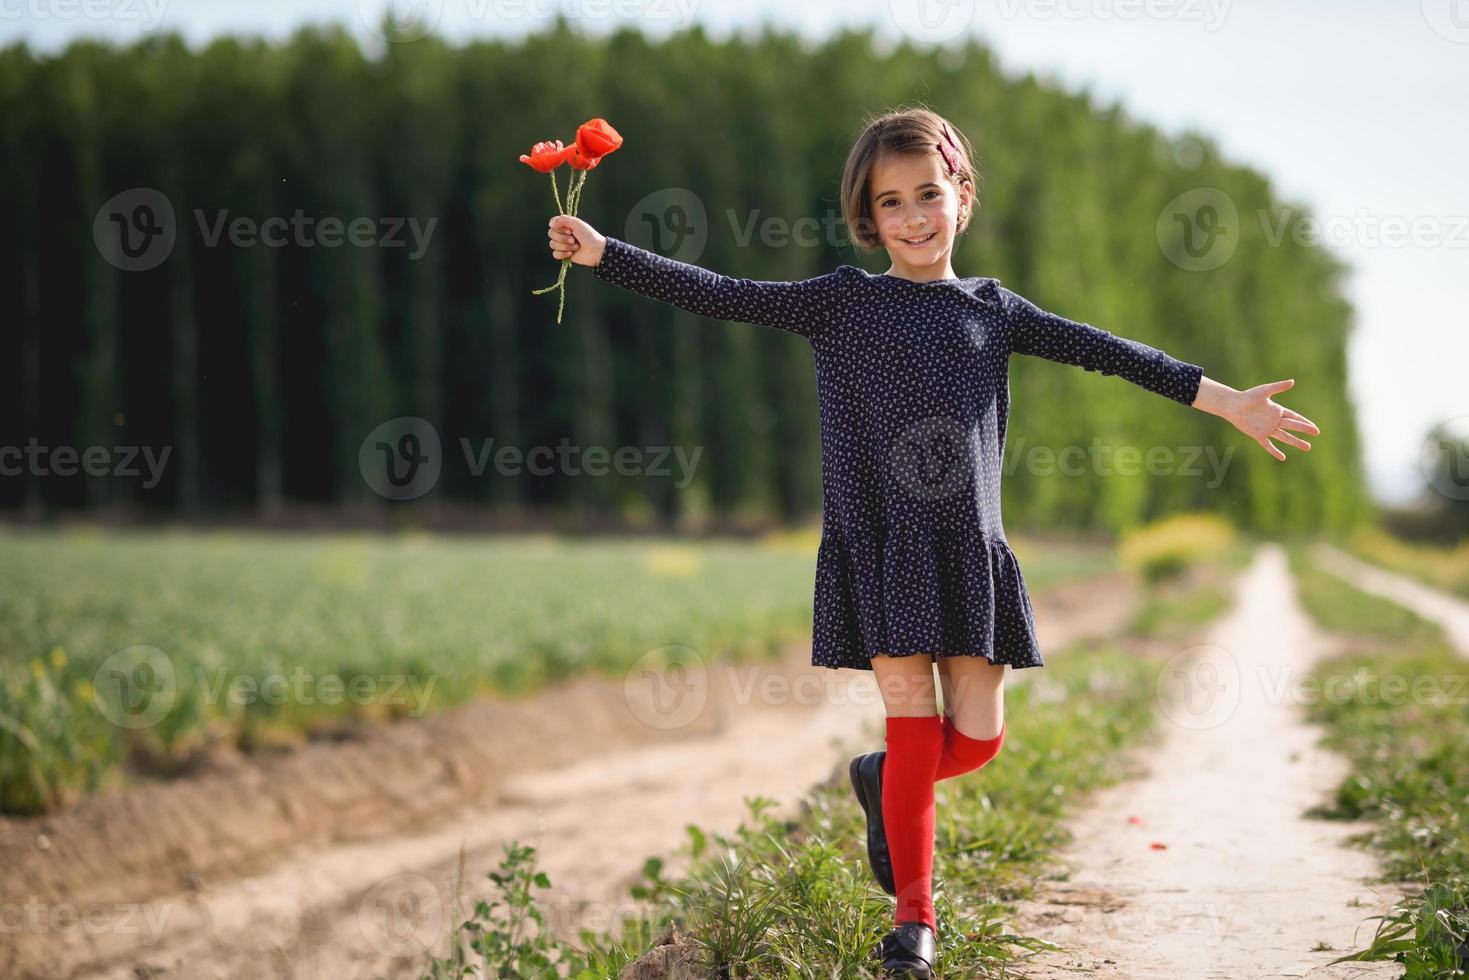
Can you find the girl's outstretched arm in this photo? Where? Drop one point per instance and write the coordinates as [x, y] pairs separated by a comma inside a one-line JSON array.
[[802, 306], [1039, 333], [1035, 331]]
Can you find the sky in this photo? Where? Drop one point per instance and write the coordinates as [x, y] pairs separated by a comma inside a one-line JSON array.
[[1355, 109]]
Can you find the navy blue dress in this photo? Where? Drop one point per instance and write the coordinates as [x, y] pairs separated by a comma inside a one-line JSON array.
[[913, 388]]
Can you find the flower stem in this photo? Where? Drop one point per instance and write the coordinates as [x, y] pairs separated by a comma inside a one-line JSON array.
[[573, 198], [575, 193]]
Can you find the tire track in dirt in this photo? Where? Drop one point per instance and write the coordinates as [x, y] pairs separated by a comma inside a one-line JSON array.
[[1247, 885], [1449, 611]]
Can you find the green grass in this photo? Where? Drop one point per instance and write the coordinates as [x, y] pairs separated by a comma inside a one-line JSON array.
[[1052, 561], [788, 898], [1399, 710], [1173, 611]]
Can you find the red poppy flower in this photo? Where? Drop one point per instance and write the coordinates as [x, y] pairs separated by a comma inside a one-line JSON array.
[[596, 138], [547, 155]]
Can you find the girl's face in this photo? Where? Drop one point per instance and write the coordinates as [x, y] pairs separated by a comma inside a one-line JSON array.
[[916, 208]]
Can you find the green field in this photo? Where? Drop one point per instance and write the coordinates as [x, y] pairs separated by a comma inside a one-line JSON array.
[[136, 651]]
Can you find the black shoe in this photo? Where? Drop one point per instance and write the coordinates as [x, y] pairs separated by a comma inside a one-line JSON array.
[[907, 951], [866, 773]]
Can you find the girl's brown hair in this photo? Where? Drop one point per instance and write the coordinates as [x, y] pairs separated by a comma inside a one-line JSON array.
[[906, 130]]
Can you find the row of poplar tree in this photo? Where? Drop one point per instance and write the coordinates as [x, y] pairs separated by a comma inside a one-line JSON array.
[[261, 353]]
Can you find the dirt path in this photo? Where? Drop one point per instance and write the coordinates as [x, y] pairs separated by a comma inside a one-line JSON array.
[[610, 795], [1247, 886], [1449, 611]]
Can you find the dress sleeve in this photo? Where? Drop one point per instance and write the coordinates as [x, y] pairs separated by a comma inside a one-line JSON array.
[[1039, 333], [802, 306]]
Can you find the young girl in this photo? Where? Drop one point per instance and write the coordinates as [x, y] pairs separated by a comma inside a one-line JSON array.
[[914, 569]]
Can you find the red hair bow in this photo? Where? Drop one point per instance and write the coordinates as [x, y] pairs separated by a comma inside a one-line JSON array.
[[950, 150]]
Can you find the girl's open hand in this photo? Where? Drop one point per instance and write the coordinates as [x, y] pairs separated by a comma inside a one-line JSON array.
[[574, 239], [1261, 419]]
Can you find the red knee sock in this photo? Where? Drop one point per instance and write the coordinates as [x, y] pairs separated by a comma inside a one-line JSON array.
[[964, 754], [913, 749]]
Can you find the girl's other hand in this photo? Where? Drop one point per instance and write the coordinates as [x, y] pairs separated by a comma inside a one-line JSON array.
[[1261, 419], [574, 239]]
